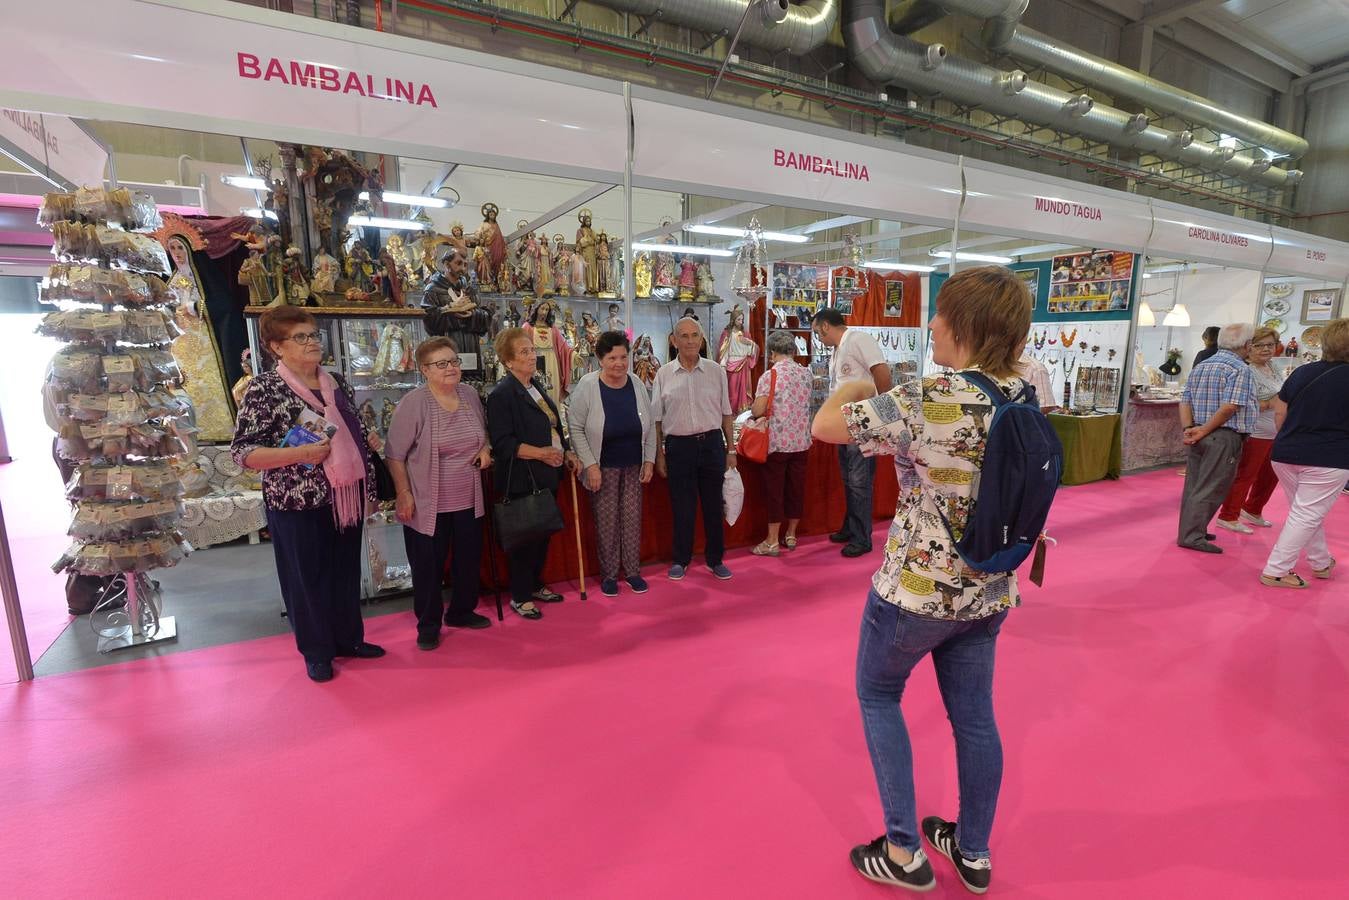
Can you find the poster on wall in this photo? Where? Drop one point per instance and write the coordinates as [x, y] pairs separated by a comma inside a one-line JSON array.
[[894, 299], [805, 287], [1091, 282], [1319, 305], [1031, 278]]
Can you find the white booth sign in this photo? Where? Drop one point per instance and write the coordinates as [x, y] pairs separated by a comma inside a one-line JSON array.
[[1298, 253], [1007, 203], [53, 147], [742, 156], [1195, 235], [298, 79]]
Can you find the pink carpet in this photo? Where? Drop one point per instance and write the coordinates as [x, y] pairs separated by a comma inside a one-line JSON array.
[[1172, 729]]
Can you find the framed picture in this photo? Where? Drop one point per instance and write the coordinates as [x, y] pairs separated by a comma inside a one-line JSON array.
[[1319, 305], [1031, 277], [894, 299]]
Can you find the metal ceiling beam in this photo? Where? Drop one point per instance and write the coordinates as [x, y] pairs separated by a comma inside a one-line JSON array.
[[1235, 31], [707, 218], [1239, 59], [434, 185], [1161, 12], [566, 206]]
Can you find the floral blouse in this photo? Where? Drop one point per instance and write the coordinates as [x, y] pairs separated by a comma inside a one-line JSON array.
[[789, 423], [935, 429], [268, 411]]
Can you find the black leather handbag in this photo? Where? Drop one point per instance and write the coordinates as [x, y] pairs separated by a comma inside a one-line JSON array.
[[528, 518], [384, 486]]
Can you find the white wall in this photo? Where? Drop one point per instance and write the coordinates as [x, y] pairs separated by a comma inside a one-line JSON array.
[[1212, 296]]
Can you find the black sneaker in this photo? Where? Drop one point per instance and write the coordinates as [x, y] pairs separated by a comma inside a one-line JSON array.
[[872, 862], [975, 874], [840, 537], [468, 620], [428, 641], [609, 587]]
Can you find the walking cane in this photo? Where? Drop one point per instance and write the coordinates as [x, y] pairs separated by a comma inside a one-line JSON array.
[[491, 542], [576, 520]]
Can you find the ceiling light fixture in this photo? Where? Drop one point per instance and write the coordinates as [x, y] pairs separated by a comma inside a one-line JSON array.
[[897, 267], [246, 182], [381, 222], [972, 257], [1146, 317], [1178, 317], [681, 248], [728, 231], [408, 199]]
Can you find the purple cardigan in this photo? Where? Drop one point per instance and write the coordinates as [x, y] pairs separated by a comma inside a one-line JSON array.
[[412, 442]]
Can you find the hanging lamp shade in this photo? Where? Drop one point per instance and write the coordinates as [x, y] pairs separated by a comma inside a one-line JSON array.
[[1146, 318], [1178, 317]]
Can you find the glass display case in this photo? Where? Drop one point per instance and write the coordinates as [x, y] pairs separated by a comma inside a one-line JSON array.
[[373, 350]]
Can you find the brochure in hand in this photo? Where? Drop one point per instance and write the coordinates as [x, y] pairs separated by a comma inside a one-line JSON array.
[[309, 428]]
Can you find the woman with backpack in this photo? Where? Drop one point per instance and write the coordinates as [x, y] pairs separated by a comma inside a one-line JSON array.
[[926, 598]]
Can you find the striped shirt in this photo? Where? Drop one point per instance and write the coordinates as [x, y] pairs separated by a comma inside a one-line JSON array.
[[458, 441], [1220, 380]]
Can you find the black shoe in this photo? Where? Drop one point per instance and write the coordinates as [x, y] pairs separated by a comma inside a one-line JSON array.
[[363, 650], [428, 641], [841, 537], [1210, 536], [871, 861], [609, 587], [543, 595], [468, 620], [1203, 547], [975, 874], [319, 671], [854, 550]]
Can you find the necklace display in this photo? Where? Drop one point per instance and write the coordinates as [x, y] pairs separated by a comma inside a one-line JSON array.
[[1039, 339], [1068, 338]]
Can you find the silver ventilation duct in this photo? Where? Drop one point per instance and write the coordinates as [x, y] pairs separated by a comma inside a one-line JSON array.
[[776, 25], [1003, 34], [886, 57]]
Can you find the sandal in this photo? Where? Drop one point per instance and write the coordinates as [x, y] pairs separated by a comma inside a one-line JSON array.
[[1324, 574], [789, 542], [765, 549], [1271, 581], [529, 612]]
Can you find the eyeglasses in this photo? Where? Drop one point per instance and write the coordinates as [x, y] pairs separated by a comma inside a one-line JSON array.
[[443, 364], [1264, 345], [306, 337]]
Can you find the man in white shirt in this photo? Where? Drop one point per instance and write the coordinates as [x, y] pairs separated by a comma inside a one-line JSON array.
[[691, 406], [856, 357], [1034, 371]]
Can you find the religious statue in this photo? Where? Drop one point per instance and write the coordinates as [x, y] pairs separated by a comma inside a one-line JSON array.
[[576, 340], [196, 350], [241, 386], [590, 332], [297, 279], [402, 271], [491, 254], [360, 269], [641, 273], [737, 354], [644, 362], [586, 247], [604, 266], [458, 240], [663, 274], [688, 279], [512, 317], [561, 265], [543, 266], [614, 322], [524, 257], [325, 274], [707, 287], [552, 350], [578, 274], [254, 275], [274, 261]]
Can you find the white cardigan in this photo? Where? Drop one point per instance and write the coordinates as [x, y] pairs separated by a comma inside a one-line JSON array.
[[585, 419]]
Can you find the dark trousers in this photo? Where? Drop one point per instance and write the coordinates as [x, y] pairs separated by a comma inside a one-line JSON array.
[[1209, 470], [319, 568], [526, 566], [695, 467], [858, 473], [462, 532], [784, 485]]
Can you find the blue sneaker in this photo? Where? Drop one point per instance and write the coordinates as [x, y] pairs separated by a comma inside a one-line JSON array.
[[720, 571], [609, 587], [676, 572], [638, 584]]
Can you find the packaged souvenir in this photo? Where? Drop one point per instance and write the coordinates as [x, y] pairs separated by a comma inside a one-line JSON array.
[[119, 372], [75, 370], [56, 207]]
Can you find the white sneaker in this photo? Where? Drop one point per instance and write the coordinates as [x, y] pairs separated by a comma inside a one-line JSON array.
[[1234, 526], [1254, 520]]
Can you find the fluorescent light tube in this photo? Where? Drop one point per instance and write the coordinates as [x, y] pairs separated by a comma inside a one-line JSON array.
[[727, 231], [381, 222], [897, 267], [409, 199], [972, 257], [247, 182], [259, 213], [682, 248]]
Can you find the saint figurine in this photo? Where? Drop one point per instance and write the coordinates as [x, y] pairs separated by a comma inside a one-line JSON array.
[[492, 243], [253, 275], [360, 268], [274, 261], [614, 322], [590, 331], [554, 355], [561, 265], [603, 264], [737, 354], [641, 273], [325, 274], [644, 362], [663, 273], [579, 272], [707, 287], [196, 350], [297, 279], [523, 259], [586, 247], [688, 279], [543, 266]]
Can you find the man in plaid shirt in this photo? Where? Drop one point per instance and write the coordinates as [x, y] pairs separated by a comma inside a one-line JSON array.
[[1218, 409]]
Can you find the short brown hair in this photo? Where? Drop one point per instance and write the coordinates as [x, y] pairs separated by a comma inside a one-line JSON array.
[[431, 345], [1335, 341], [988, 310], [505, 342], [275, 324], [1264, 331]]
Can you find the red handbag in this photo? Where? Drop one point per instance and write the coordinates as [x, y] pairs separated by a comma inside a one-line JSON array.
[[752, 444]]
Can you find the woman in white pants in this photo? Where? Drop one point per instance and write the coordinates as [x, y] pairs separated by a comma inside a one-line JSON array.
[[1311, 457]]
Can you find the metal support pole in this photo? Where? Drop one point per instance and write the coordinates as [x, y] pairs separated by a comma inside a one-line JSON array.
[[629, 282], [730, 51], [18, 635]]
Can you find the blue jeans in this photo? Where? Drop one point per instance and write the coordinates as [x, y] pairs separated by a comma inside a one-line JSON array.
[[858, 473], [893, 641]]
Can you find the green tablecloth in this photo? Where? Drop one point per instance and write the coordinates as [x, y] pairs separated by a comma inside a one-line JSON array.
[[1091, 447]]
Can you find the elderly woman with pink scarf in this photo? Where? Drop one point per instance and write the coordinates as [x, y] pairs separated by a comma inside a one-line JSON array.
[[315, 493]]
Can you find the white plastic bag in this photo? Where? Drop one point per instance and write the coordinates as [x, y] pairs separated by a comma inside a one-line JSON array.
[[732, 495]]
